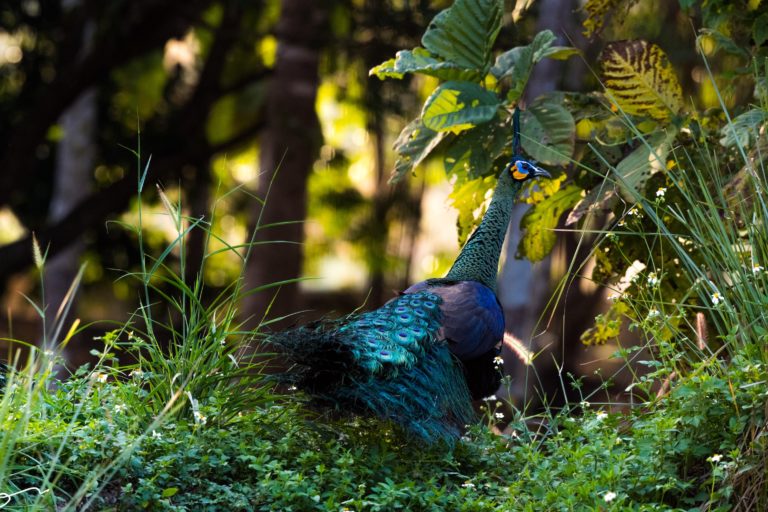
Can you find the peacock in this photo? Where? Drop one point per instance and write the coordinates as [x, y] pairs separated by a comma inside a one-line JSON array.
[[421, 358]]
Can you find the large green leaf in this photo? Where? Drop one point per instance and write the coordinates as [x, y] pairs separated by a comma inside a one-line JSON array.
[[518, 62], [548, 131], [640, 79], [647, 159], [541, 220], [412, 146], [420, 60], [464, 33], [474, 152], [456, 106]]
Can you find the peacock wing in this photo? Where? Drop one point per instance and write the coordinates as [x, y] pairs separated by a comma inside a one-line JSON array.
[[389, 340], [472, 321]]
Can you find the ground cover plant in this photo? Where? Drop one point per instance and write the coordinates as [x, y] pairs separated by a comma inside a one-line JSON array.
[[176, 415]]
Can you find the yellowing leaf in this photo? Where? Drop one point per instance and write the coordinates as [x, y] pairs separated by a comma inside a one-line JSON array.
[[471, 199], [412, 146], [596, 12], [638, 76], [541, 220], [457, 106]]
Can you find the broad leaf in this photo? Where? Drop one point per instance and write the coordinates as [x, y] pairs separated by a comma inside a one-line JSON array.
[[638, 76], [541, 220], [471, 199], [744, 129], [464, 33], [421, 61], [458, 106], [647, 159], [596, 11], [412, 146], [548, 132], [599, 198], [475, 151], [518, 62]]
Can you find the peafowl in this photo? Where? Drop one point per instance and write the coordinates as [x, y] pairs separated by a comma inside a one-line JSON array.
[[421, 358]]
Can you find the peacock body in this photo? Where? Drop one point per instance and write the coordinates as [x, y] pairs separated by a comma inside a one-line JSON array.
[[421, 358]]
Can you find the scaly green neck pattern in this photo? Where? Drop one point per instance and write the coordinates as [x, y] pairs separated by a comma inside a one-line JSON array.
[[479, 258]]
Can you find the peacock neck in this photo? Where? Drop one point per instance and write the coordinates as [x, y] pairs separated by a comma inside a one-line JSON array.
[[479, 258]]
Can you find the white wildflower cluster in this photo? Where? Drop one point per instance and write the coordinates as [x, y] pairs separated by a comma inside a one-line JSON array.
[[653, 280], [715, 458], [609, 496], [498, 362], [660, 193], [653, 314]]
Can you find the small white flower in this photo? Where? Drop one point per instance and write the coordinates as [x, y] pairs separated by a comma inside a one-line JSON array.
[[468, 485], [715, 458], [499, 415], [156, 434], [137, 373], [661, 192], [498, 361], [619, 440], [490, 398], [99, 377], [200, 418], [717, 298], [292, 388], [584, 404], [756, 269], [601, 416], [653, 313], [653, 279], [120, 407], [609, 496]]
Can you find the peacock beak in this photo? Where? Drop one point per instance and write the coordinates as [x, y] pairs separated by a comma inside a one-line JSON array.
[[538, 172]]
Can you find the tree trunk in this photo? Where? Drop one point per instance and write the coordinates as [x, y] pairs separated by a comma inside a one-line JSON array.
[[75, 159], [524, 288], [288, 149]]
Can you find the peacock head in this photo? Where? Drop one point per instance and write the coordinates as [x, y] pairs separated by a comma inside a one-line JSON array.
[[521, 170]]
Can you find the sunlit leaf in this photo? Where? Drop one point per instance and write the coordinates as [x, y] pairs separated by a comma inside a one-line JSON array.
[[548, 132], [638, 76], [744, 128], [474, 152], [607, 326], [412, 146], [647, 159], [457, 106], [421, 61], [471, 199], [540, 221], [464, 33]]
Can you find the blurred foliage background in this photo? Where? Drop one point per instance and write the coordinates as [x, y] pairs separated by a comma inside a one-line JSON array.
[[264, 113]]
